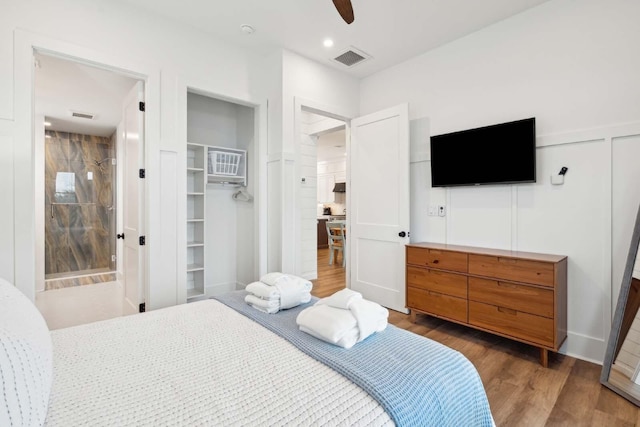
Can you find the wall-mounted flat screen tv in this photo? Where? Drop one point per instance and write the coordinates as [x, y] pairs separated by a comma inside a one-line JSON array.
[[498, 154]]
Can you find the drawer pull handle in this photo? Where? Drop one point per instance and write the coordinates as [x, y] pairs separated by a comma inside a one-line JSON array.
[[435, 261], [507, 311]]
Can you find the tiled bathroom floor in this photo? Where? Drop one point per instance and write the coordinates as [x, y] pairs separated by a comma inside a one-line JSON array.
[[78, 305]]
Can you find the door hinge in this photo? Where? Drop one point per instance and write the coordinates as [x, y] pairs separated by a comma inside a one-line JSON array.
[[142, 173], [141, 106], [142, 307], [142, 240]]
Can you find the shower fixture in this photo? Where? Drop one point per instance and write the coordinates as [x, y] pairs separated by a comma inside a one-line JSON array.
[[100, 163]]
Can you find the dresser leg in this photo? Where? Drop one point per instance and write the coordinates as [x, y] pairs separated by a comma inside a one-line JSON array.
[[544, 357], [412, 316]]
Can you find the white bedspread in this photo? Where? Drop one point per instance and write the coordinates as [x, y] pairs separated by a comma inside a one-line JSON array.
[[195, 364]]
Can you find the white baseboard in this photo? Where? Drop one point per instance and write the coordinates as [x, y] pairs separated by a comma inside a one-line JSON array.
[[310, 275], [219, 288], [585, 348]]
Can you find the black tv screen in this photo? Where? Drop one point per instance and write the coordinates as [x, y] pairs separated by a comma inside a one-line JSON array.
[[498, 154]]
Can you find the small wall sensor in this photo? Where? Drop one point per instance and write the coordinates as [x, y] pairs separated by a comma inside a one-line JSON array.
[[559, 179]]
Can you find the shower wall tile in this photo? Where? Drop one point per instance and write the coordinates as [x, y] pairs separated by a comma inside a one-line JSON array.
[[79, 281], [56, 145], [85, 191], [57, 237], [81, 236]]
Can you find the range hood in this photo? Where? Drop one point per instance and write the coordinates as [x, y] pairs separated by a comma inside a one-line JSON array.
[[340, 187]]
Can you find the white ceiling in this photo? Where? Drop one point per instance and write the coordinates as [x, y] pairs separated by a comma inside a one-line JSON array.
[[391, 31], [63, 86]]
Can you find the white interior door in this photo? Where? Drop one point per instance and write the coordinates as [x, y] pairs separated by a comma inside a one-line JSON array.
[[379, 205], [133, 200]]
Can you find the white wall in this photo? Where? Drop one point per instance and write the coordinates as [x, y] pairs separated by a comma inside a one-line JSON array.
[[573, 66], [305, 83], [6, 192], [308, 254], [133, 40]]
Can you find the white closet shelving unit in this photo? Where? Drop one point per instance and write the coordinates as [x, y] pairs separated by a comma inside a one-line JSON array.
[[196, 180], [221, 238]]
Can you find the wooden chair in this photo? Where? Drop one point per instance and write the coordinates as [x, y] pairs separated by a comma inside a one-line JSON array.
[[337, 241]]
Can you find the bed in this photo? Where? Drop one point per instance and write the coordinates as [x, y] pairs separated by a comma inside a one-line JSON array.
[[203, 363]]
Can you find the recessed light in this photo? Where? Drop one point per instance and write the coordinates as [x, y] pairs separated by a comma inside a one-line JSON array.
[[328, 43], [47, 123], [247, 29]]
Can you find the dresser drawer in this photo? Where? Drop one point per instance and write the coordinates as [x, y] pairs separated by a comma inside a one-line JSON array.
[[453, 261], [513, 323], [438, 281], [437, 304], [529, 299], [518, 270]]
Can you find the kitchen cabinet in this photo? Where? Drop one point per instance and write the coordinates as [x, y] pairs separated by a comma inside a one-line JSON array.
[[328, 174], [323, 239], [325, 188]]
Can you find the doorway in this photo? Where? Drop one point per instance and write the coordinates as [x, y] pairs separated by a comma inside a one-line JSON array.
[[80, 143], [323, 159]]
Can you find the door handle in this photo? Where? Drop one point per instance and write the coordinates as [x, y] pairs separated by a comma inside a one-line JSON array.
[[402, 234], [120, 236]]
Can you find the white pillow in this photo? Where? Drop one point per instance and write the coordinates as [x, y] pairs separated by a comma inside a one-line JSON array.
[[26, 362]]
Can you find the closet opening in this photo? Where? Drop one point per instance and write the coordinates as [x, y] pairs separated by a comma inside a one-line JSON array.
[[222, 217]]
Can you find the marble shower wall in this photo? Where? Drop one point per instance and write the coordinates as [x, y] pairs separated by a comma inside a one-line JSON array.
[[79, 203]]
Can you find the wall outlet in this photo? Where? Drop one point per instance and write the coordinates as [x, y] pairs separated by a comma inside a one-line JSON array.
[[441, 210]]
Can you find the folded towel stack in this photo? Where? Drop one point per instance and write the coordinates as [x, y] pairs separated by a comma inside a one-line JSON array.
[[343, 319], [278, 291]]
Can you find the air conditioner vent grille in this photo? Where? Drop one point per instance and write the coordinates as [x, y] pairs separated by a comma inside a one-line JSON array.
[[351, 57], [82, 115]]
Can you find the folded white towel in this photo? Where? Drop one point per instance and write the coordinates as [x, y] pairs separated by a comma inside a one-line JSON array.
[[371, 317], [341, 299], [292, 291], [266, 310], [328, 323], [340, 326], [348, 339], [264, 303], [262, 290], [272, 278]]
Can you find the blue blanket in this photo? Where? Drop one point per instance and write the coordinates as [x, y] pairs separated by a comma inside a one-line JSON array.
[[417, 381]]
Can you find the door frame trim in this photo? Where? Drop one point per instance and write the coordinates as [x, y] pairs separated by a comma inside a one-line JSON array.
[[28, 229], [334, 112]]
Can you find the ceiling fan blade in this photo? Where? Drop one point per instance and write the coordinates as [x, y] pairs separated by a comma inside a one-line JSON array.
[[345, 10]]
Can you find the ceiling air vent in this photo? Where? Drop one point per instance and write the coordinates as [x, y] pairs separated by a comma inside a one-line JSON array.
[[351, 57], [82, 115]]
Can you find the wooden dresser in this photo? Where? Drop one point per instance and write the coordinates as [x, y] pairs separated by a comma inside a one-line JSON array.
[[518, 295]]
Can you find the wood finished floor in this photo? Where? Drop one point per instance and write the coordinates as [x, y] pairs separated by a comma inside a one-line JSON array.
[[520, 391]]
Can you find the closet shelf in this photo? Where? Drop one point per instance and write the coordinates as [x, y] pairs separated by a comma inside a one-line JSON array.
[[194, 293], [194, 267]]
